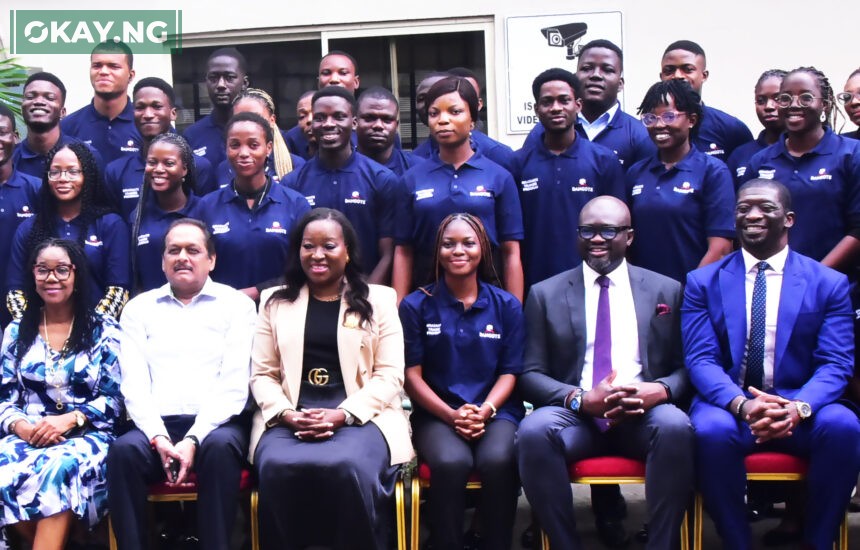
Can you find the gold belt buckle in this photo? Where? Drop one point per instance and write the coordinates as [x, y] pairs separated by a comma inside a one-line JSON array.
[[318, 376]]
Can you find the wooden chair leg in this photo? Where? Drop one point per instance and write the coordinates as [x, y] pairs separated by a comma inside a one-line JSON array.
[[698, 520], [400, 506], [415, 504], [255, 525], [111, 536]]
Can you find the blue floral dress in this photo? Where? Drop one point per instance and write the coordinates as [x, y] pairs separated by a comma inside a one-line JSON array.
[[40, 482]]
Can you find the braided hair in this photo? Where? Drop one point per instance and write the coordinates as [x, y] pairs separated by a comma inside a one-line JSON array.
[[770, 73], [826, 92], [283, 161], [93, 205]]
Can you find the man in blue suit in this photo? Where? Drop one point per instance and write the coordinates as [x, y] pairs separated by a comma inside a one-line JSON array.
[[769, 346]]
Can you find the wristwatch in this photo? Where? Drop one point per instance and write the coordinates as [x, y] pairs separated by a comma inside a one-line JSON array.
[[575, 404], [804, 410], [80, 419], [348, 419]]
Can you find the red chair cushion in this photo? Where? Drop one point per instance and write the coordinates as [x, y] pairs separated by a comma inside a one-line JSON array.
[[775, 463], [161, 488], [424, 474], [607, 466]]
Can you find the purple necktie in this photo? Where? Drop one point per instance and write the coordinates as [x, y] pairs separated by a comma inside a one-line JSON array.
[[602, 363]]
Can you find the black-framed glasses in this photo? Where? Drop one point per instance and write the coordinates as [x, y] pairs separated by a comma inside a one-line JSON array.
[[72, 173], [805, 99], [606, 232], [668, 117], [846, 97], [61, 272]]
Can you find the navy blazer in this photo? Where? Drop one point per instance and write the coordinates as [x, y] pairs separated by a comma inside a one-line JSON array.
[[556, 334], [814, 351]]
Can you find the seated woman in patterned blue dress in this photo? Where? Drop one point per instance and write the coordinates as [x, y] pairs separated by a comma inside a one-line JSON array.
[[59, 399]]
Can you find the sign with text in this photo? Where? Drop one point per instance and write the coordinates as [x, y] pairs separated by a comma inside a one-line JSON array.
[[537, 43]]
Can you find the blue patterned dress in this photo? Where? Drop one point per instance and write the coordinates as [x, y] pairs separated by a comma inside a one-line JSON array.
[[40, 482]]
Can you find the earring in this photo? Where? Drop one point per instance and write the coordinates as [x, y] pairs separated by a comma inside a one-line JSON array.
[[823, 117]]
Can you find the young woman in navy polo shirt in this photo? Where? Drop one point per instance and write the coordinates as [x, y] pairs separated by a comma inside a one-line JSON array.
[[71, 206], [681, 200], [457, 180], [464, 349], [167, 195], [850, 99], [820, 168]]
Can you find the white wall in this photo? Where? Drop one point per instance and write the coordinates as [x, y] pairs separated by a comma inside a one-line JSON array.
[[741, 37]]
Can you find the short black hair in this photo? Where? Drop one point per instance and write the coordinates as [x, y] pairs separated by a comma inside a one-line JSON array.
[[251, 117], [603, 43], [336, 91], [557, 74], [378, 92], [463, 72], [454, 84], [686, 99], [47, 77], [687, 46], [782, 191], [5, 111], [342, 54], [230, 51], [155, 82], [207, 235], [110, 46]]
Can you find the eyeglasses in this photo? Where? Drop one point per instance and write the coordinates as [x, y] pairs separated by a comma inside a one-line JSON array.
[[846, 97], [668, 117], [607, 233], [805, 99], [61, 272], [72, 173]]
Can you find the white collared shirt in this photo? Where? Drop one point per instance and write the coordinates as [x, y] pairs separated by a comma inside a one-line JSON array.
[[773, 279], [593, 129], [625, 332], [186, 359]]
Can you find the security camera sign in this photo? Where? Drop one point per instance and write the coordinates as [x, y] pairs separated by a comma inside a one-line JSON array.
[[537, 43]]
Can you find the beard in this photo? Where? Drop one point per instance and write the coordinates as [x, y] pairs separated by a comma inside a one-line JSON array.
[[40, 127], [108, 96]]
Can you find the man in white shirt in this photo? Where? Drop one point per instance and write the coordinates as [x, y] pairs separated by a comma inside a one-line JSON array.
[[185, 359], [603, 370]]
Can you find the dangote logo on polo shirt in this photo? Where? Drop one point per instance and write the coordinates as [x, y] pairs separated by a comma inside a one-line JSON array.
[[355, 198], [740, 171], [131, 193], [822, 175], [582, 187], [685, 188], [713, 149], [131, 148], [276, 228], [530, 185], [637, 190], [24, 213], [92, 240], [490, 333], [434, 329], [480, 191], [219, 228], [766, 174], [421, 194], [312, 200], [143, 240], [200, 152]]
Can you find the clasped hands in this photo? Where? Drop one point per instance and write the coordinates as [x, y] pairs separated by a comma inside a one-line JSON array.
[[617, 403], [47, 431], [314, 424], [470, 420], [182, 452], [769, 416]]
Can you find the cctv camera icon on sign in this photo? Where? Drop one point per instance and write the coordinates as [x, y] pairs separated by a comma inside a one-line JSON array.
[[566, 36]]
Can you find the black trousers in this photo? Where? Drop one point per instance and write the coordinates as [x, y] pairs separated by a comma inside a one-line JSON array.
[[451, 459], [132, 465]]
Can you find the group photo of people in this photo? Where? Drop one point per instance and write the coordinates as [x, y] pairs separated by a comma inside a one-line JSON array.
[[319, 313]]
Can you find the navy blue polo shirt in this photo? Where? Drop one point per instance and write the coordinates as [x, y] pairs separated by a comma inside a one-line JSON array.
[[18, 201], [251, 244], [432, 190], [496, 151], [207, 140], [739, 160], [112, 138], [154, 223], [624, 135], [825, 190], [124, 178], [400, 161], [553, 189], [225, 174], [297, 142], [675, 211], [106, 247], [35, 164], [719, 133], [463, 352], [362, 189]]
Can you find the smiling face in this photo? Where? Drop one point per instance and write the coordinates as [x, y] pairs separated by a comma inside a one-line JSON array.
[[153, 112], [599, 70], [333, 123], [674, 136], [224, 80], [684, 65], [761, 221], [323, 256], [247, 148], [66, 188], [557, 106], [765, 103], [164, 167], [460, 250], [797, 118], [338, 70], [42, 106], [602, 255], [450, 120], [51, 261], [110, 74], [376, 124], [185, 261]]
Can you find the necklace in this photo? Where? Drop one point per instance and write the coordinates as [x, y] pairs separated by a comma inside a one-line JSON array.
[[332, 298], [53, 375], [256, 196]]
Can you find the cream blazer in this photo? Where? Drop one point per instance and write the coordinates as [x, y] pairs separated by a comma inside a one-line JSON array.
[[371, 359]]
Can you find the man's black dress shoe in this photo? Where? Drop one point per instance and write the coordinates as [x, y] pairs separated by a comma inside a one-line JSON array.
[[611, 533]]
